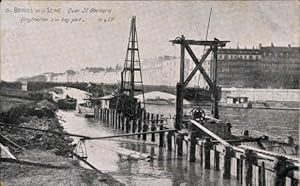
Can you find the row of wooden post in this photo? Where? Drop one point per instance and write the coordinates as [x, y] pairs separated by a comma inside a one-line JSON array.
[[238, 164], [247, 167], [145, 123]]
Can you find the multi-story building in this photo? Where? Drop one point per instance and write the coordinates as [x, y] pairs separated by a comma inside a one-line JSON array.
[[264, 67], [237, 67], [279, 67]]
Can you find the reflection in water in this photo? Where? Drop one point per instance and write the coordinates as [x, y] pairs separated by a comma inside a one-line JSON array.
[[165, 169], [275, 123]]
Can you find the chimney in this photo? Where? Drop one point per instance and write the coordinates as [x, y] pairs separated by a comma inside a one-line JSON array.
[[289, 45], [259, 46], [272, 45]]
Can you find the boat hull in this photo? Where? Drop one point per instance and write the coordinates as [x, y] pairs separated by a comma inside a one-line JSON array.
[[86, 111], [67, 104]]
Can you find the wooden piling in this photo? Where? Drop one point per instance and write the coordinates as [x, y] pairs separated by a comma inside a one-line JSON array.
[[157, 119], [217, 159], [207, 147], [227, 163], [280, 171], [101, 114], [238, 169], [110, 118], [115, 120], [161, 136], [148, 116], [179, 142], [139, 127], [145, 128], [193, 147], [95, 113], [120, 121], [169, 140], [127, 125], [262, 175], [104, 116], [123, 122], [251, 159], [242, 168], [112, 125], [134, 126], [201, 153], [131, 126], [107, 117], [153, 128]]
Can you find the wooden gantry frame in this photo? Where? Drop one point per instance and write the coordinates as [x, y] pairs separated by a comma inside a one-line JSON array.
[[211, 80]]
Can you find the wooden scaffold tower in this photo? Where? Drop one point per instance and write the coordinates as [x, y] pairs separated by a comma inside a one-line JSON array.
[[131, 76]]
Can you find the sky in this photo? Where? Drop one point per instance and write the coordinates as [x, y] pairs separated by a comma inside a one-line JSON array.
[[34, 48]]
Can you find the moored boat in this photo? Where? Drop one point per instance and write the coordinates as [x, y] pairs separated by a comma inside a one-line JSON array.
[[236, 102], [86, 109], [67, 103]]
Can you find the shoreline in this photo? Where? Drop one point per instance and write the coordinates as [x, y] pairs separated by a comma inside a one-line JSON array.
[[42, 158]]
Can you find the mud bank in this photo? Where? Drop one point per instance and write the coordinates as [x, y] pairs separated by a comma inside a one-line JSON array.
[[42, 158], [65, 172]]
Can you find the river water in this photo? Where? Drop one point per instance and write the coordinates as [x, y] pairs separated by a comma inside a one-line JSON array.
[[166, 168], [277, 124]]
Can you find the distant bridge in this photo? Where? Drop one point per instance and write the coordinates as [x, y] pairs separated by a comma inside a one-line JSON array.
[[189, 94]]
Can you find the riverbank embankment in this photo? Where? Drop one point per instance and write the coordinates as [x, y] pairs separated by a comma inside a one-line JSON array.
[[41, 158]]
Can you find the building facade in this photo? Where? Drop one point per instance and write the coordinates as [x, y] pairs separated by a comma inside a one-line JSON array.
[[264, 67], [237, 67], [162, 70]]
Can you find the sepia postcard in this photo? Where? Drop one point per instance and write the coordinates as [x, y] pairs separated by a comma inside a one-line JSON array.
[[149, 93]]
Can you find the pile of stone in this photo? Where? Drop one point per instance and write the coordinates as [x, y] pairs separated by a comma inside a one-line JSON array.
[[22, 112], [38, 116]]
